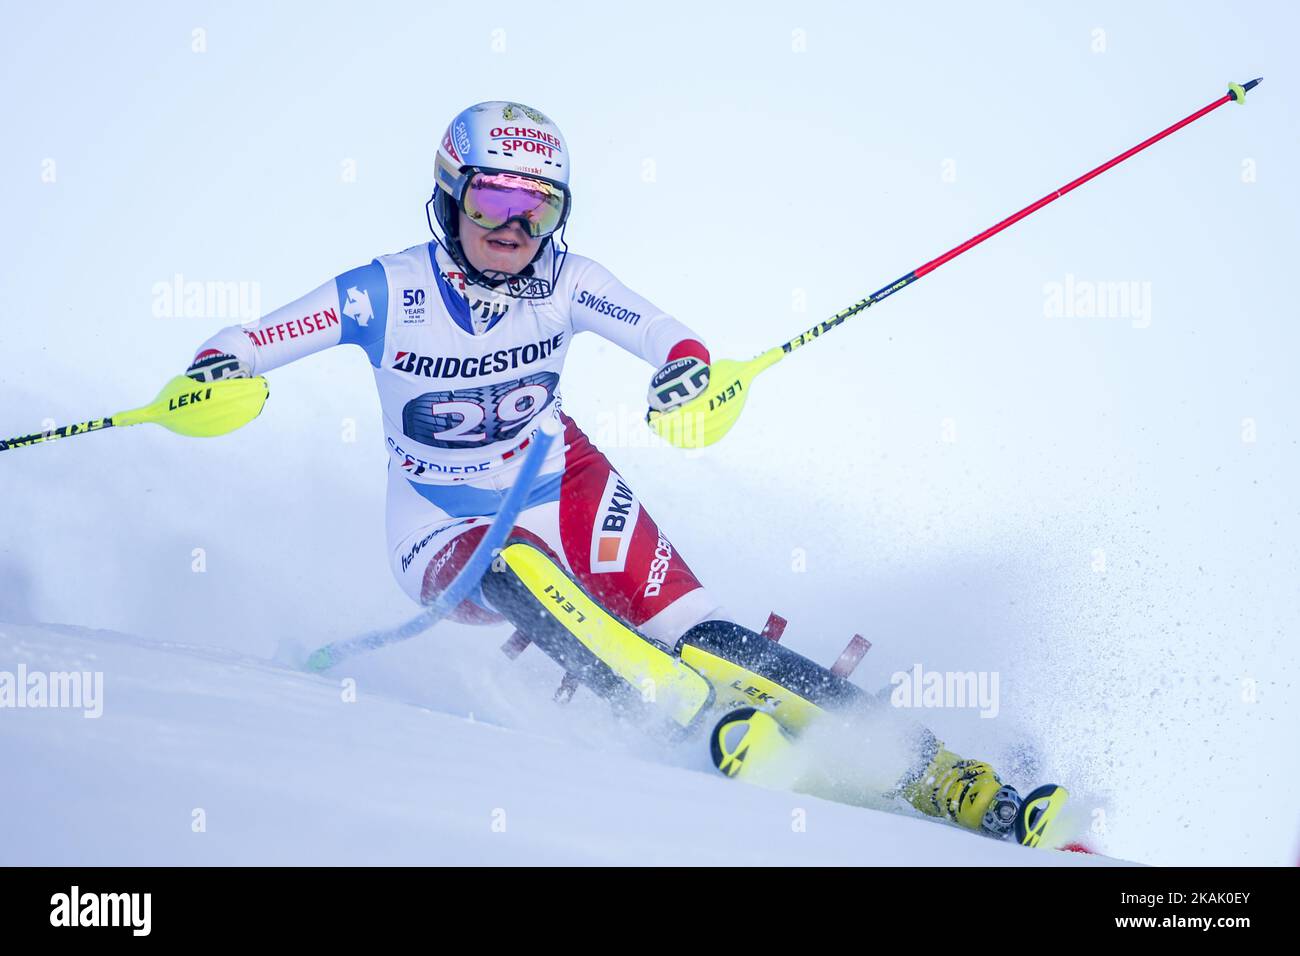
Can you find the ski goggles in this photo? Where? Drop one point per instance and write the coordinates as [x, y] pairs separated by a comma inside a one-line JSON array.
[[492, 199]]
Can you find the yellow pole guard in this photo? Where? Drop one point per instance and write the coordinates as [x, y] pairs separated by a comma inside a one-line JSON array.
[[704, 420], [202, 409]]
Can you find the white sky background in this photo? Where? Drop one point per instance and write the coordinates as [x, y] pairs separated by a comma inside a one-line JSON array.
[[706, 142]]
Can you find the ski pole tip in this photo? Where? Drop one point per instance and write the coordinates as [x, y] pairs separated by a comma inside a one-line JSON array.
[[1238, 90]]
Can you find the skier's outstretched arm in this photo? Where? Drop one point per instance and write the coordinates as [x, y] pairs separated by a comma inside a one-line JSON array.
[[350, 309], [604, 305]]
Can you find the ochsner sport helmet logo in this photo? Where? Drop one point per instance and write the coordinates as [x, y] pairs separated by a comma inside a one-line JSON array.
[[503, 135], [512, 137]]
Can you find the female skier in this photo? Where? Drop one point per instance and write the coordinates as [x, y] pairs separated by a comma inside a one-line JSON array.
[[467, 336]]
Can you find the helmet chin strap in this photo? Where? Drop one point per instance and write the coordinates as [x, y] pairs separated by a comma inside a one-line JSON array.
[[515, 285]]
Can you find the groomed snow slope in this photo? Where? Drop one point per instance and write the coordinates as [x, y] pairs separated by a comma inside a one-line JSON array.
[[284, 771]]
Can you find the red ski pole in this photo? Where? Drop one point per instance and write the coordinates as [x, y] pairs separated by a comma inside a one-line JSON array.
[[1236, 94]]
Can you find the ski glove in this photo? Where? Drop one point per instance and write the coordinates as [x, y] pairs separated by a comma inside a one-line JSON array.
[[677, 382], [211, 365]]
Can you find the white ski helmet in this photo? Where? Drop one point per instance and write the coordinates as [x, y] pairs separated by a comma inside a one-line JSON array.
[[500, 161]]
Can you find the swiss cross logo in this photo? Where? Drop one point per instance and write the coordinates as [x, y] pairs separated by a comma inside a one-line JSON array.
[[611, 532]]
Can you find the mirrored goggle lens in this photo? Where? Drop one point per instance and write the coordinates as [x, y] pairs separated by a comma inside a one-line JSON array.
[[493, 199]]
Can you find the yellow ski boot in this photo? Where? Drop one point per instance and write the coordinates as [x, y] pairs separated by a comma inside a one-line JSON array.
[[968, 792]]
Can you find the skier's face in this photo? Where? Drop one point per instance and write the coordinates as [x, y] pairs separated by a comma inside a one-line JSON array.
[[507, 248]]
